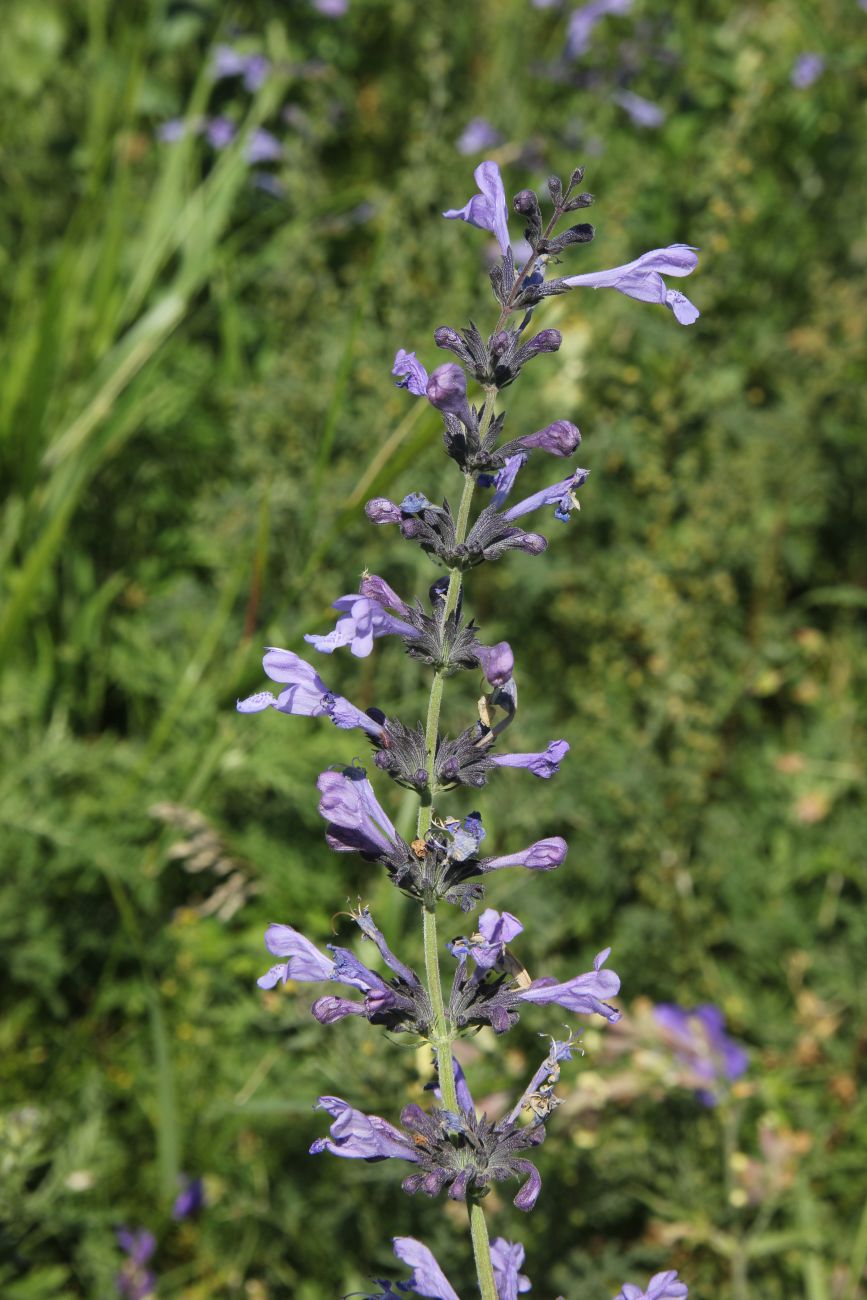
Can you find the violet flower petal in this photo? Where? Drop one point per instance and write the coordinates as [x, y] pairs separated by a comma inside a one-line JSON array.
[[427, 1278], [498, 662], [543, 765], [584, 994], [642, 279], [544, 855], [356, 1136], [560, 494], [413, 375], [486, 210], [662, 1286], [559, 439], [507, 1257], [505, 478]]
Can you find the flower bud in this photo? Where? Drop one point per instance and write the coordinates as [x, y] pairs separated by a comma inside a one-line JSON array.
[[560, 439], [382, 511], [544, 341], [526, 203], [447, 390], [532, 543], [497, 662], [446, 337], [375, 588]]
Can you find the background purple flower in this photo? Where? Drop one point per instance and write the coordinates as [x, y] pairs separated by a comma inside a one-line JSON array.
[[135, 1281], [699, 1040], [262, 146], [807, 69], [643, 112], [189, 1199], [477, 136], [662, 1286], [585, 18]]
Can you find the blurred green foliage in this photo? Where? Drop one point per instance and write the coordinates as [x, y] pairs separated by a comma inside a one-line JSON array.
[[194, 403]]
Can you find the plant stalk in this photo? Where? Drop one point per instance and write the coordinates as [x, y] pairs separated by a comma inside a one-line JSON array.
[[442, 1037], [482, 1251]]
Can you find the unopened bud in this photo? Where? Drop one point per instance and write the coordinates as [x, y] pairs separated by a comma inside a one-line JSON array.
[[382, 511], [447, 390]]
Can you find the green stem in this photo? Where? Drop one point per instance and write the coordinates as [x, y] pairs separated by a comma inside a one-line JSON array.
[[482, 1251], [442, 1034], [441, 1038]]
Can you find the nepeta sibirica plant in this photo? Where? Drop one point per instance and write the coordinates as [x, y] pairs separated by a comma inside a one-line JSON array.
[[449, 1147]]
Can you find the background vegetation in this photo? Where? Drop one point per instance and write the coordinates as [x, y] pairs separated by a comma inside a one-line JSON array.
[[194, 402]]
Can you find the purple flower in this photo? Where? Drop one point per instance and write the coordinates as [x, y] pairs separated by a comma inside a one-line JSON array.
[[662, 1286], [171, 131], [356, 822], [643, 112], [642, 279], [504, 479], [361, 621], [544, 855], [559, 439], [477, 136], [135, 1281], [585, 18], [256, 71], [543, 765], [331, 8], [356, 1136], [306, 695], [390, 1003], [413, 375], [382, 511], [808, 68], [262, 146], [228, 62], [487, 210], [497, 662], [427, 1278], [561, 495], [447, 390], [219, 132], [189, 1199], [507, 1258], [699, 1040], [496, 929], [583, 994], [304, 960]]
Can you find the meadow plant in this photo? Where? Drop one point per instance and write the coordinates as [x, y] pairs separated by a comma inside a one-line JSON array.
[[449, 1147]]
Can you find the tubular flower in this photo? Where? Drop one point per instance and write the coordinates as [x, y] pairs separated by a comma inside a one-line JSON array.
[[662, 1286], [427, 1278], [642, 279], [543, 765], [487, 210], [544, 855], [356, 821], [306, 695], [361, 621], [583, 994], [507, 1258], [411, 372]]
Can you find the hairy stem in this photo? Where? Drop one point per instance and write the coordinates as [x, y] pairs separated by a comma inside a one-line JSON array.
[[441, 1036], [482, 1251]]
